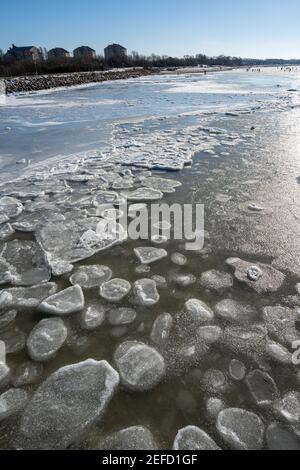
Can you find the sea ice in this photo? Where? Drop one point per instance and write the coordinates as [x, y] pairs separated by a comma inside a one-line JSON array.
[[278, 353], [246, 340], [216, 281], [4, 374], [29, 222], [78, 239], [280, 437], [14, 339], [46, 339], [27, 373], [115, 290], [234, 312], [10, 207], [161, 329], [281, 324], [141, 368], [31, 297], [289, 407], [135, 438], [5, 299], [89, 277], [262, 388], [213, 407], [148, 255], [136, 209], [66, 405], [264, 279], [214, 382], [121, 316], [12, 402], [183, 280], [143, 269], [210, 334], [197, 312], [161, 184], [80, 178], [192, 438], [106, 197], [237, 370], [65, 302], [25, 262], [179, 259], [3, 218], [160, 281], [58, 267], [6, 231], [6, 318], [6, 275], [255, 208], [145, 292], [144, 194], [93, 317], [241, 429]]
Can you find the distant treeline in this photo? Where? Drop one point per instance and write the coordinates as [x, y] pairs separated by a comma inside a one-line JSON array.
[[10, 67]]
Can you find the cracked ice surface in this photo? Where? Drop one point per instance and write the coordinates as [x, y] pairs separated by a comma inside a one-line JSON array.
[[203, 346]]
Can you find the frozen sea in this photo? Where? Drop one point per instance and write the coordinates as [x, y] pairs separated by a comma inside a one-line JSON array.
[[230, 141], [56, 123]]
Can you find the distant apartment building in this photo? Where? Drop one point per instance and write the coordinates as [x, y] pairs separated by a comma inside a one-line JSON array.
[[58, 53], [31, 53], [114, 50], [84, 52]]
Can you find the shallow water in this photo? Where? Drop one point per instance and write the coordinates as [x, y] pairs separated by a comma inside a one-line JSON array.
[[48, 124], [253, 158]]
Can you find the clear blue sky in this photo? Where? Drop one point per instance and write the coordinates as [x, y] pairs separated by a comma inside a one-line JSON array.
[[249, 28]]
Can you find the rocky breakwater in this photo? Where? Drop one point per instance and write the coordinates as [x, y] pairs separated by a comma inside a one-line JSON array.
[[46, 82]]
